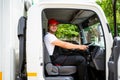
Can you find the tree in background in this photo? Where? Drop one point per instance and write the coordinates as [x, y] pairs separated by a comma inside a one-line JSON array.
[[67, 31], [108, 9]]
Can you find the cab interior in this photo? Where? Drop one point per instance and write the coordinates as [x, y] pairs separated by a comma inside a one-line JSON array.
[[88, 31]]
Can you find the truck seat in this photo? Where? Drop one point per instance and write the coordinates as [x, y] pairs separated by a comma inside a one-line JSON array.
[[56, 70]]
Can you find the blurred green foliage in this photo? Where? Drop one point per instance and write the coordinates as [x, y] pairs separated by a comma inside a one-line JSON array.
[[108, 9], [67, 31]]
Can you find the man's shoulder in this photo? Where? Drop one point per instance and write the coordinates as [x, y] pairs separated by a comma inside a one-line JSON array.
[[49, 34]]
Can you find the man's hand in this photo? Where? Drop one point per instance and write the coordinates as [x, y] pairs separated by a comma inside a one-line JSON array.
[[83, 47]]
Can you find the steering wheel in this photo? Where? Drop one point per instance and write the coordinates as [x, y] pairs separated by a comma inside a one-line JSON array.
[[82, 51], [89, 44]]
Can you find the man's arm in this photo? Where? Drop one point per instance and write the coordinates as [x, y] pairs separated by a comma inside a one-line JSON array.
[[68, 45]]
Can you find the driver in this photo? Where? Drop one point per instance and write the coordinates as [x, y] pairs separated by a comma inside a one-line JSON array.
[[67, 60]]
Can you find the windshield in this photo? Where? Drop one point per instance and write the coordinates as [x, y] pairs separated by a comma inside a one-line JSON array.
[[94, 34], [68, 32]]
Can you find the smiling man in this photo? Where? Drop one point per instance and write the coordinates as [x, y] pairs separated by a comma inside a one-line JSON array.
[[51, 41]]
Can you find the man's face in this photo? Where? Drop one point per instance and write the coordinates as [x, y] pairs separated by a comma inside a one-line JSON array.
[[52, 28]]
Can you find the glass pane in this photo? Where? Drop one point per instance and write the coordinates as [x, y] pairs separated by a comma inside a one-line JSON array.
[[68, 32], [94, 34]]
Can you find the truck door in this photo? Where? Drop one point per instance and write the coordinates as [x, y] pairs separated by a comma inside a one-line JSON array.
[[114, 63]]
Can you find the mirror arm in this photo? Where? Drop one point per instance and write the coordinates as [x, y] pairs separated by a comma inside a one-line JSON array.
[[114, 15]]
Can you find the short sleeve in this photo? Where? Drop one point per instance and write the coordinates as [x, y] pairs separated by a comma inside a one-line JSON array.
[[50, 38]]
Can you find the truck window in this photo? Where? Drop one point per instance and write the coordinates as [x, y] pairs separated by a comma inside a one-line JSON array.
[[69, 33], [94, 34]]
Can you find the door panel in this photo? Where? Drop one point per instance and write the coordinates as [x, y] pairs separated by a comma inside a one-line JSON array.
[[113, 61]]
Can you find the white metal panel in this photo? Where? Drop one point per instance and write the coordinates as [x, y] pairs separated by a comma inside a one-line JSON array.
[[0, 35], [65, 1], [34, 47], [10, 11], [5, 39]]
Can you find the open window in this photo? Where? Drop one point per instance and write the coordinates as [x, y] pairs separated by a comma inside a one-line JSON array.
[[80, 26]]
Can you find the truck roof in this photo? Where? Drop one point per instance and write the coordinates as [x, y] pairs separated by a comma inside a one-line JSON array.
[[66, 14], [67, 1]]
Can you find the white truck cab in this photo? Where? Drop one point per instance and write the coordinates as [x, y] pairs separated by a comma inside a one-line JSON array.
[[102, 56]]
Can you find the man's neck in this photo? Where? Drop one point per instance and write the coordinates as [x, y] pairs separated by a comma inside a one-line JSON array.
[[51, 32]]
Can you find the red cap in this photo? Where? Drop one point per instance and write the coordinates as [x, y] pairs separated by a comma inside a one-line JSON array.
[[53, 21]]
